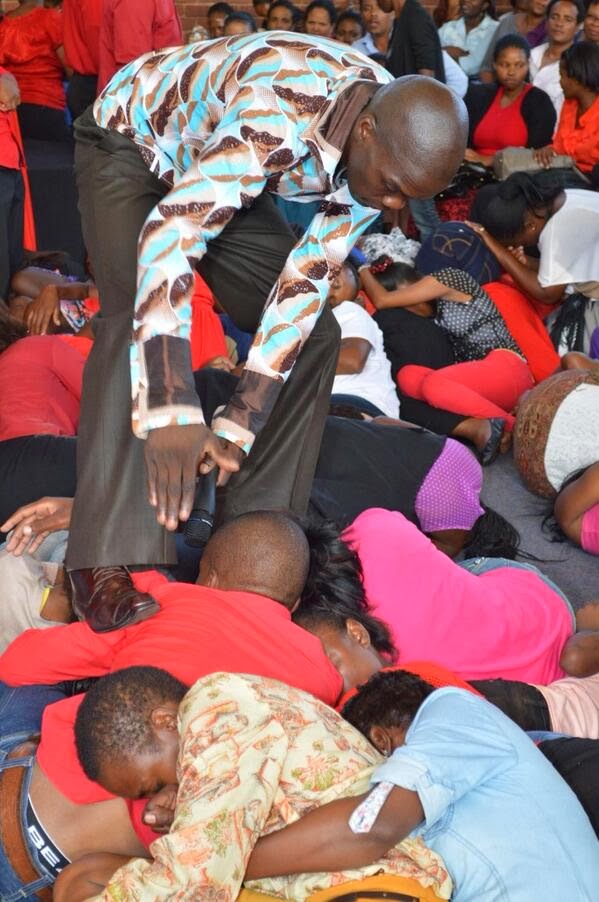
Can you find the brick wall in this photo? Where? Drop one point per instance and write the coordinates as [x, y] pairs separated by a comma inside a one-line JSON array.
[[193, 12]]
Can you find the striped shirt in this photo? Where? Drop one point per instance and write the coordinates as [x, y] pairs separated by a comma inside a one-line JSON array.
[[220, 122]]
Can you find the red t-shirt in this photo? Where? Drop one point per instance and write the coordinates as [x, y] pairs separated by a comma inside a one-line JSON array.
[[131, 28], [196, 632], [501, 126], [82, 22], [207, 338], [40, 387], [28, 47]]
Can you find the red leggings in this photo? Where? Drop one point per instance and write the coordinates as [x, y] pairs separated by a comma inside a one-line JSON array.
[[479, 388]]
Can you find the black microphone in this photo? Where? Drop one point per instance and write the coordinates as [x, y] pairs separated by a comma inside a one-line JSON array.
[[198, 528]]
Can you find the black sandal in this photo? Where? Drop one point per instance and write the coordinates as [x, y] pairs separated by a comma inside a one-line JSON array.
[[491, 449]]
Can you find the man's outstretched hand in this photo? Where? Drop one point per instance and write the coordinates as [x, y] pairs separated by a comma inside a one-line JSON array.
[[174, 456]]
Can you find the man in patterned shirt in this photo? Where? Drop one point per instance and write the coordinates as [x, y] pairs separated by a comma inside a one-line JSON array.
[[175, 168], [250, 755]]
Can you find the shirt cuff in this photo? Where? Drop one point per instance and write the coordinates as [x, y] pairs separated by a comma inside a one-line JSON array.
[[160, 417], [233, 433], [164, 392], [248, 409], [363, 818]]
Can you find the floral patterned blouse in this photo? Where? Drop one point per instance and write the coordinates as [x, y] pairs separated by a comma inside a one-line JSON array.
[[255, 755]]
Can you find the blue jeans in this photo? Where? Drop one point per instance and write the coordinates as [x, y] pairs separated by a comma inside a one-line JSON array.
[[21, 710], [425, 216], [479, 565]]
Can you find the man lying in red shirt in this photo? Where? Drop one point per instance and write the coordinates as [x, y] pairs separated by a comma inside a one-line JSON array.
[[238, 619]]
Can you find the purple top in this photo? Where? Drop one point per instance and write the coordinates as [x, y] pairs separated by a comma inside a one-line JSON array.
[[537, 35]]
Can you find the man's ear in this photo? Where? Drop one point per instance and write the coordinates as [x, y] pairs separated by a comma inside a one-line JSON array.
[[366, 127], [164, 717], [380, 740], [357, 632], [208, 577]]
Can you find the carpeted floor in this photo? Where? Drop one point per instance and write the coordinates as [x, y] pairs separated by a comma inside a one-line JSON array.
[[574, 571]]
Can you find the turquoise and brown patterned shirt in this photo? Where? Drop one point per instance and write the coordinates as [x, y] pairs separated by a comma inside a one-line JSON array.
[[255, 755], [221, 122]]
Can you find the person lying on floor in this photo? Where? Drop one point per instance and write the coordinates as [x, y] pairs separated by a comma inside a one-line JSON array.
[[505, 618], [482, 619], [490, 372], [40, 385], [34, 595], [576, 509], [237, 618], [434, 481], [466, 780], [266, 754], [359, 645], [557, 430], [363, 374]]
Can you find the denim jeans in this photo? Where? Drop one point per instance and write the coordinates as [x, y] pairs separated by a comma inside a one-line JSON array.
[[480, 565], [21, 710], [425, 216]]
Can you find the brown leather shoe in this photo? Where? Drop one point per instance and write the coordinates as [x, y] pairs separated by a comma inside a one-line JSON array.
[[106, 598]]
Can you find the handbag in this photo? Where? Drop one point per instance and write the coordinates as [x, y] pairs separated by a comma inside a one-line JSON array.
[[468, 176], [521, 159]]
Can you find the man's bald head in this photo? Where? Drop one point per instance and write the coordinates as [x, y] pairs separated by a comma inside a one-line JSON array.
[[264, 552], [408, 142]]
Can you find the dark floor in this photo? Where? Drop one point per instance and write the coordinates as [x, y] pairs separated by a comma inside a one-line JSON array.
[[574, 571]]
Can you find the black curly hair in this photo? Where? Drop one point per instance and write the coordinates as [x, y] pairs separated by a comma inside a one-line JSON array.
[[390, 698], [113, 720]]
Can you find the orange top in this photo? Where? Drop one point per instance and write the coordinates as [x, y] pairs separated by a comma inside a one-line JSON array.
[[28, 47], [434, 674], [580, 141]]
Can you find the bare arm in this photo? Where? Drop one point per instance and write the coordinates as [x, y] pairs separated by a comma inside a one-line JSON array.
[[525, 277], [353, 355], [427, 289], [44, 311], [32, 280], [471, 156], [10, 96], [87, 877], [323, 840], [575, 500]]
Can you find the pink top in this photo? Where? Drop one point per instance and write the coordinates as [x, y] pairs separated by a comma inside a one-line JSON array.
[[506, 623], [589, 530]]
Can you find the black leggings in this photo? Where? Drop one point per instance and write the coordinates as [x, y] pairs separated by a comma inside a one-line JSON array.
[[577, 762], [522, 703], [34, 466]]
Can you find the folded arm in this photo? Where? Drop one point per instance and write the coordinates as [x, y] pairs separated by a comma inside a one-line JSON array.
[[426, 289], [67, 652], [524, 276], [322, 840]]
